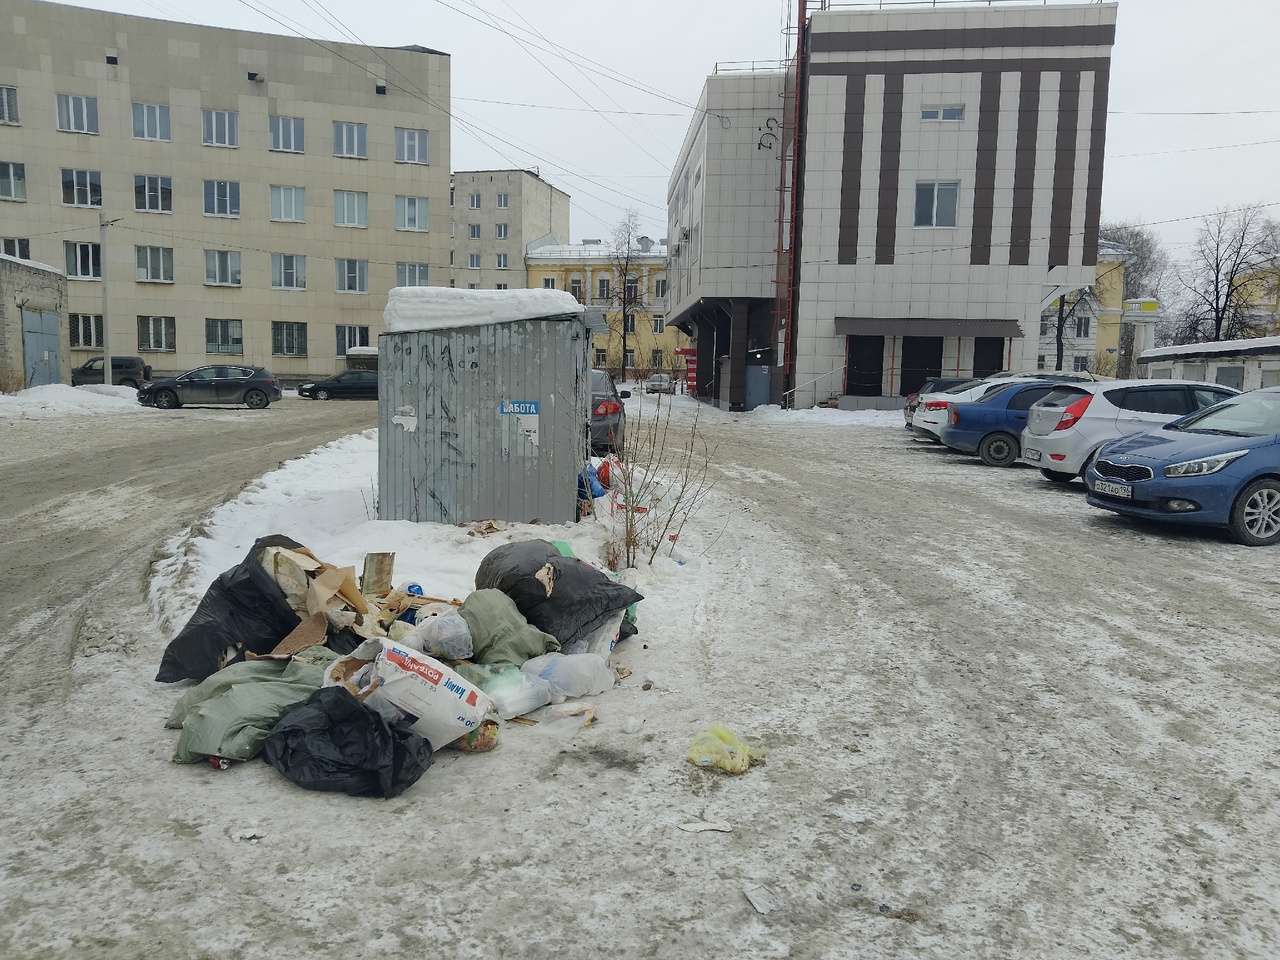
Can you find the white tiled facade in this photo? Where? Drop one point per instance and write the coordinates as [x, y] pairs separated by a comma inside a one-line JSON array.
[[389, 158]]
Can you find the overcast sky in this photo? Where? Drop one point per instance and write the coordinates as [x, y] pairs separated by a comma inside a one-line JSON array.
[[598, 96]]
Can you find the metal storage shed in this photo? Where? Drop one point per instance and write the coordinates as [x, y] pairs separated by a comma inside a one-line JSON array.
[[482, 405]]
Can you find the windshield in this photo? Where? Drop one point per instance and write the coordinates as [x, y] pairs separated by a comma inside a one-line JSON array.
[[962, 387], [1255, 414]]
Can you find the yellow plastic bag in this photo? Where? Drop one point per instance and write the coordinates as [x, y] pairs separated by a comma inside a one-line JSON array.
[[718, 746]]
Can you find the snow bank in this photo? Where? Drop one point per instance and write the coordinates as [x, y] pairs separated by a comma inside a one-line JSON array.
[[59, 400], [435, 308]]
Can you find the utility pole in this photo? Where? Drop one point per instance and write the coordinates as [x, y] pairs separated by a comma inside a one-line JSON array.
[[103, 223]]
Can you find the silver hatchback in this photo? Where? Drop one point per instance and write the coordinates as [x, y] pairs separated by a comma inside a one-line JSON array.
[[1065, 429]]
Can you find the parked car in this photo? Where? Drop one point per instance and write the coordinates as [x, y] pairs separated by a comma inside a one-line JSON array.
[[125, 372], [991, 425], [218, 383], [931, 414], [1067, 427], [931, 385], [660, 383], [607, 428], [1216, 467], [347, 385]]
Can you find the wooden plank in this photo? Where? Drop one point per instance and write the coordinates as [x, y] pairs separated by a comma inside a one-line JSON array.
[[376, 579]]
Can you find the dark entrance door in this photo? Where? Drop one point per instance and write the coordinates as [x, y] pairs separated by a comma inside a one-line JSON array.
[[865, 374], [921, 358], [988, 356]]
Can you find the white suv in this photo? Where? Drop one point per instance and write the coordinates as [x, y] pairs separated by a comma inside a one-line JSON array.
[[1066, 428]]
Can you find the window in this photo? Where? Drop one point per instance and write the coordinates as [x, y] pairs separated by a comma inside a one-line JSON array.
[[288, 271], [155, 264], [942, 113], [473, 261], [659, 323], [473, 231], [1040, 362], [350, 336], [548, 283], [220, 128], [501, 262], [411, 274], [1025, 398], [655, 358], [1081, 362], [350, 208], [631, 289], [151, 121], [629, 323], [411, 146], [19, 247], [660, 287], [285, 134], [473, 286], [86, 329], [602, 288], [499, 286], [13, 181], [1082, 326], [349, 139], [288, 339], [475, 201], [81, 188], [84, 260], [157, 333], [222, 268], [575, 289], [1044, 327], [602, 357], [411, 213], [77, 114], [8, 104], [1171, 401], [352, 276], [223, 336], [500, 231], [152, 194], [936, 204], [222, 198], [629, 358], [289, 204], [502, 200]]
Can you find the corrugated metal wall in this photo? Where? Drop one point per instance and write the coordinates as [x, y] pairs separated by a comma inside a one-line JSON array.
[[458, 439]]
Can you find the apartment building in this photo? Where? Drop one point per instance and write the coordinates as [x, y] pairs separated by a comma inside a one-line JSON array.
[[940, 174], [219, 193], [629, 287], [496, 216]]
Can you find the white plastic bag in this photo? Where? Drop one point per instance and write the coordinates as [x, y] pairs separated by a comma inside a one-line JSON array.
[[572, 674], [446, 636], [515, 693]]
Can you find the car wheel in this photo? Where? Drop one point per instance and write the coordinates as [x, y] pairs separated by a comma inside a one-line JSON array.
[[1255, 516], [1057, 476], [256, 400], [320, 394], [167, 400], [998, 450]]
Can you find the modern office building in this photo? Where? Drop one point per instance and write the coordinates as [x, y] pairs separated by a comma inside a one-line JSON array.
[[237, 194], [629, 287], [497, 216], [940, 176]]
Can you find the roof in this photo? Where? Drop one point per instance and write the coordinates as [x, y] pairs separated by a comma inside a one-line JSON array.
[[1255, 346], [592, 251], [441, 308]]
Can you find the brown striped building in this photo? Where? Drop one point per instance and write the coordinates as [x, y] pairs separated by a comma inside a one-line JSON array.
[[948, 184]]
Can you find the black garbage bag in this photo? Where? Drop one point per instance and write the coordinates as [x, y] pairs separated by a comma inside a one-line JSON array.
[[243, 610], [334, 742], [559, 595]]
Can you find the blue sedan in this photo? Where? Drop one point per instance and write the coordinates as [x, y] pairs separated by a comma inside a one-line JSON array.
[[1217, 467], [992, 425]]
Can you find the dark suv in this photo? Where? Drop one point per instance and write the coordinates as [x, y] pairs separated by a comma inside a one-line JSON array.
[[125, 372]]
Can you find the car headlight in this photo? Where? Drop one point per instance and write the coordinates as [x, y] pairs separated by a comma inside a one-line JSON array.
[[1204, 466], [305, 386]]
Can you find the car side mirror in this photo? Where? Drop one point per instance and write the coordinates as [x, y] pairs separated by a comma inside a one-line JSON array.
[[624, 394]]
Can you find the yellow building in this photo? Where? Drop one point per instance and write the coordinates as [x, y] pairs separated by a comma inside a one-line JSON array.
[[629, 287], [1091, 337]]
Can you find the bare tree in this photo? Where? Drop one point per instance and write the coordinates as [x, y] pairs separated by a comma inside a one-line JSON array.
[[1148, 270], [1232, 270], [625, 294]]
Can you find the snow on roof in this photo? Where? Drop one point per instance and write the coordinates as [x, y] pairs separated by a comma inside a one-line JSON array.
[[1219, 347], [34, 263], [437, 308], [592, 251], [362, 351]]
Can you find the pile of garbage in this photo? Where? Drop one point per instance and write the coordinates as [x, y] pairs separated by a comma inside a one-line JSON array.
[[352, 685]]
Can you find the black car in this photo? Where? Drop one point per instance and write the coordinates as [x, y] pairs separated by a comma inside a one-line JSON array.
[[217, 383], [348, 385], [606, 430], [125, 372]]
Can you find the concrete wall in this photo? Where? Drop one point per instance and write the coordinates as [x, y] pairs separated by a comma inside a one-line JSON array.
[[35, 287]]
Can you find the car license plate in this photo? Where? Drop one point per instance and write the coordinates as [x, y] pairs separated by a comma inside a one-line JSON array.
[[1121, 490], [1032, 455]]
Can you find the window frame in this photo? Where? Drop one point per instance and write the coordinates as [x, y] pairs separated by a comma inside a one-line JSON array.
[[501, 231], [67, 113], [163, 193], [419, 220], [168, 334], [343, 274], [500, 261], [9, 115], [288, 338], [232, 344], [343, 337], [209, 122], [295, 268], [473, 261], [659, 321], [351, 139], [940, 110], [230, 259], [92, 180], [548, 283], [934, 194], [16, 173], [361, 201], [407, 270], [278, 192], [473, 231], [228, 198], [149, 115], [159, 260], [276, 127], [82, 249], [474, 201], [422, 145], [504, 200], [76, 323], [19, 245]]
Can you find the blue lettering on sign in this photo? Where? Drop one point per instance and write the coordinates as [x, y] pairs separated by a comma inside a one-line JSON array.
[[527, 407], [455, 688]]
